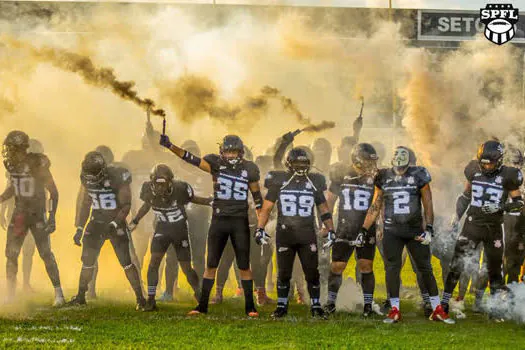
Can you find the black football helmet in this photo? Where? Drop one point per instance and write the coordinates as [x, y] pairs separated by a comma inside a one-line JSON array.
[[107, 153], [161, 178], [94, 168], [401, 160], [232, 143], [192, 147], [364, 158], [14, 149], [490, 157], [298, 162], [514, 157], [35, 146]]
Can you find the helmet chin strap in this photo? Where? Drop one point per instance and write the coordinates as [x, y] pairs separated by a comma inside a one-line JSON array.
[[295, 174]]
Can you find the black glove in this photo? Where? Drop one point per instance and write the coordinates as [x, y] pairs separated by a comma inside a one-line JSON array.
[[51, 224], [261, 236], [357, 126], [77, 238], [165, 141]]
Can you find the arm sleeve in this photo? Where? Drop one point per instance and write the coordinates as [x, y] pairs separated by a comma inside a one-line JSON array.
[[423, 177], [213, 161], [320, 184], [254, 174]]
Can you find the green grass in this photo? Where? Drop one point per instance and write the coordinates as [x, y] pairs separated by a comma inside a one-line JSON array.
[[106, 323]]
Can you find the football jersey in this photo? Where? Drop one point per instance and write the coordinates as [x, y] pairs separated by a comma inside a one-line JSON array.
[[29, 183], [104, 195], [296, 200], [169, 208], [402, 197], [231, 185], [490, 189], [355, 193]]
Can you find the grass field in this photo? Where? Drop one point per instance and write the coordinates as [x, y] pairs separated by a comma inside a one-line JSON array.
[[106, 323]]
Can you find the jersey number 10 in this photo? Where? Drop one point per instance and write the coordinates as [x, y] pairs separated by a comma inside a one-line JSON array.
[[24, 186]]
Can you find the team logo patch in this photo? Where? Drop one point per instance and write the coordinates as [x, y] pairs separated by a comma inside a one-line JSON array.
[[244, 173], [477, 174], [126, 175], [107, 183], [308, 186], [282, 249], [520, 176], [268, 176], [222, 167], [410, 180], [498, 179], [369, 181], [372, 240], [497, 243], [313, 247], [157, 235], [499, 20], [185, 244]]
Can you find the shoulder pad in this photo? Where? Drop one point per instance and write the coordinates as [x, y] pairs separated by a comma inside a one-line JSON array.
[[471, 169], [274, 178], [145, 191], [381, 177], [39, 160], [119, 175], [513, 178], [319, 181], [253, 171], [338, 172], [422, 175]]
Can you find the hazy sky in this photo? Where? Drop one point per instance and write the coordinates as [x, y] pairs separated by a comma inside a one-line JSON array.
[[437, 4]]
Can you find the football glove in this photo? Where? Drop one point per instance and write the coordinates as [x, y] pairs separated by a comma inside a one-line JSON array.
[[261, 236], [51, 224], [330, 239], [77, 238], [290, 136], [490, 208], [165, 141]]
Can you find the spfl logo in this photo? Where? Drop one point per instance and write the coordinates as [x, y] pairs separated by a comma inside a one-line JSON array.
[[499, 20]]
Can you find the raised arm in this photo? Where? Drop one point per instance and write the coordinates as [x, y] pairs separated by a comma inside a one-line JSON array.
[[284, 142], [185, 155]]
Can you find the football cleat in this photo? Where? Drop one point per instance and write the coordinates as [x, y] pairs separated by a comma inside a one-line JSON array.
[[439, 314], [77, 301], [318, 312], [393, 316], [151, 305], [262, 297], [141, 303], [166, 297], [280, 312], [197, 311], [367, 311], [59, 301], [329, 308], [239, 293], [427, 309], [385, 308], [252, 313], [217, 299]]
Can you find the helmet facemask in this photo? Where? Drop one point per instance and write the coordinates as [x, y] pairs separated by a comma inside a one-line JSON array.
[[299, 166], [13, 155], [161, 186], [232, 156]]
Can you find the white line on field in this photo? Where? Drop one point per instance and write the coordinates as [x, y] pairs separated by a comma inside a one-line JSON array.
[[38, 340]]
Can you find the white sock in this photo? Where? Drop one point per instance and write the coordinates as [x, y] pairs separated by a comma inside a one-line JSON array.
[[434, 301], [394, 302], [58, 292]]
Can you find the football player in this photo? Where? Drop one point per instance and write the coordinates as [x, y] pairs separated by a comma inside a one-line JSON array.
[[6, 212], [167, 197], [297, 192], [353, 186], [489, 184], [29, 179], [233, 178], [404, 190], [106, 202]]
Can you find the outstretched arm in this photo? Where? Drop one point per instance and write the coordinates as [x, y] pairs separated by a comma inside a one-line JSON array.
[[185, 155], [202, 200], [143, 210]]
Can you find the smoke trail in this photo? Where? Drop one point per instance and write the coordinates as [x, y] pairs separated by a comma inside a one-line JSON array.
[[193, 97], [102, 77]]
